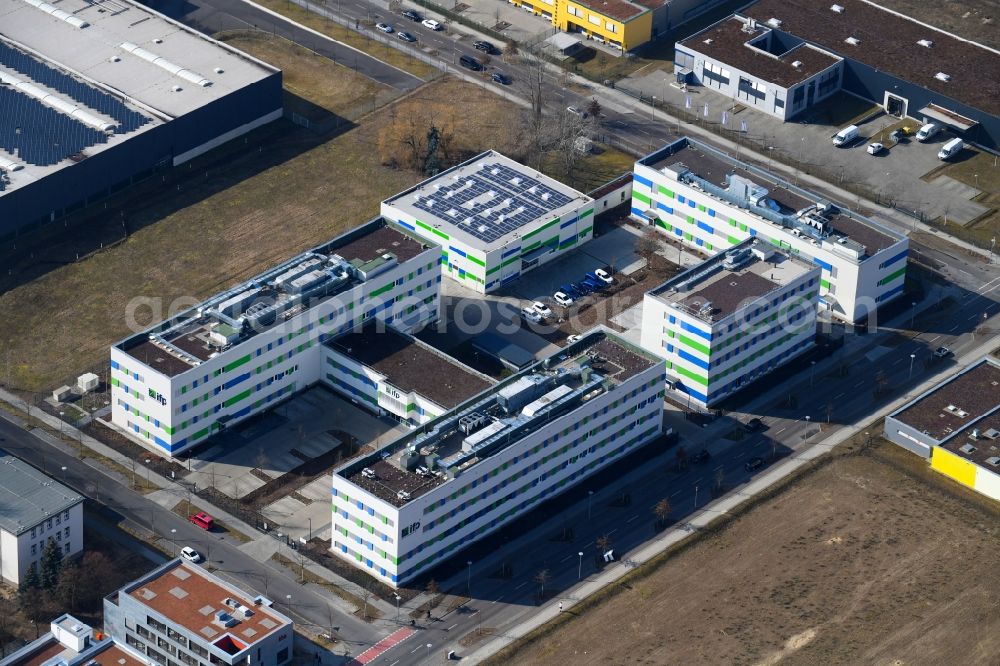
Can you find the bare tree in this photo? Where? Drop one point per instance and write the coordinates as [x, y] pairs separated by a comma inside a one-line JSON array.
[[648, 243], [681, 459], [661, 510], [366, 595], [542, 578], [603, 543], [510, 52], [720, 479]]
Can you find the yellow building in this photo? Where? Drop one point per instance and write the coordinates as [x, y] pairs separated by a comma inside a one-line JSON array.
[[618, 23]]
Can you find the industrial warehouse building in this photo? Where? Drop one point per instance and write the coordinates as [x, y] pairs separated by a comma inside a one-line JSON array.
[[706, 199], [406, 507], [494, 219], [240, 351], [94, 96], [784, 56], [956, 425], [731, 319]]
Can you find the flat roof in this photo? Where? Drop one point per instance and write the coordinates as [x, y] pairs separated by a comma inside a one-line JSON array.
[[710, 291], [621, 10], [957, 404], [27, 497], [717, 168], [185, 341], [192, 598], [487, 201], [888, 42], [728, 41], [492, 421], [411, 365], [97, 52]]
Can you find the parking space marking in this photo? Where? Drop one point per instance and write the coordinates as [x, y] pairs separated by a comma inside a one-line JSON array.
[[859, 384], [521, 585], [934, 338], [612, 531], [781, 431], [676, 492], [565, 558], [496, 600], [452, 627], [838, 396], [631, 519]]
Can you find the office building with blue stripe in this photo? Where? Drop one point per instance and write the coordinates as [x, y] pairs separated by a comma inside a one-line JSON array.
[[731, 319], [708, 200]]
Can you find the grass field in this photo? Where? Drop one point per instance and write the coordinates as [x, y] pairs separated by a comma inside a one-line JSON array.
[[314, 78], [376, 48], [255, 205], [869, 559]]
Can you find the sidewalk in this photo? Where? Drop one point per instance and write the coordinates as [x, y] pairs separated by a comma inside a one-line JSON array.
[[704, 516]]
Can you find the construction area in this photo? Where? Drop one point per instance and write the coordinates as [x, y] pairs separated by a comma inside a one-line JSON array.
[[867, 557]]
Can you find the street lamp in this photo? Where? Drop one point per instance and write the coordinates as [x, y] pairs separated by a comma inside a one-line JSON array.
[[64, 473], [429, 646], [696, 496], [590, 498], [812, 372], [912, 356], [806, 435], [147, 471], [469, 583], [398, 599], [173, 541], [913, 312], [310, 528], [579, 565]]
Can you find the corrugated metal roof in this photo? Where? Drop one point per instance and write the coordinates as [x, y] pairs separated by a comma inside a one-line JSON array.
[[28, 497]]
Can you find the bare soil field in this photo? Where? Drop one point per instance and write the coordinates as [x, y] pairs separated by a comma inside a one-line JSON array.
[[869, 558], [973, 19]]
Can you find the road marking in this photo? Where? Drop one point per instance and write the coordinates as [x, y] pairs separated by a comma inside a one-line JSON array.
[[898, 360], [414, 649], [740, 454], [975, 316], [838, 396], [496, 600], [934, 338], [671, 494], [452, 627], [394, 663], [781, 431], [473, 612], [859, 384], [695, 482], [631, 519], [953, 328], [612, 531], [718, 468], [565, 558], [521, 585]]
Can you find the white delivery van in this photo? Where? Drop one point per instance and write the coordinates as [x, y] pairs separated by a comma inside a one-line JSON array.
[[950, 149], [928, 131], [845, 136]]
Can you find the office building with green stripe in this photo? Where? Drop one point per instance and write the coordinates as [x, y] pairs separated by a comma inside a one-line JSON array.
[[494, 219], [243, 350], [407, 507], [731, 319], [706, 199]]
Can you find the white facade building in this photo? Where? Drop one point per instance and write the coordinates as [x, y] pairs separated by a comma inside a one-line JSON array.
[[70, 642], [403, 509], [731, 319], [708, 200], [34, 509], [494, 219], [240, 351], [396, 375], [179, 613]]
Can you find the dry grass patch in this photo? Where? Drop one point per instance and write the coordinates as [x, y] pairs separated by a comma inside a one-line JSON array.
[[870, 559]]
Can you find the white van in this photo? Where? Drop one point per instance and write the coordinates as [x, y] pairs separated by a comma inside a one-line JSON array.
[[845, 136], [950, 149], [928, 131]]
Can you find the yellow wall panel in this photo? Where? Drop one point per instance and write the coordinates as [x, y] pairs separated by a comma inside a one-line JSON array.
[[953, 466]]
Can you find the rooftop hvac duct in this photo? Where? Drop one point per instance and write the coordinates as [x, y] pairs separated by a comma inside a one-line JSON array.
[[163, 63], [55, 12], [57, 103]]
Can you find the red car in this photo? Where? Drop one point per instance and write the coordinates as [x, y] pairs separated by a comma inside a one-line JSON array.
[[203, 520]]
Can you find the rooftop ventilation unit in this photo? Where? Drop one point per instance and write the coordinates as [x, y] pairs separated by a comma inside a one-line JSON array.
[[926, 43], [55, 12], [941, 76], [368, 473], [797, 64], [706, 308], [403, 495], [708, 41], [837, 9], [994, 460], [967, 449], [853, 41], [774, 23], [163, 63]]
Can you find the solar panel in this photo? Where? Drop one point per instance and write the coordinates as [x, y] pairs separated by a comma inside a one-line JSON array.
[[98, 100], [37, 134], [491, 202]]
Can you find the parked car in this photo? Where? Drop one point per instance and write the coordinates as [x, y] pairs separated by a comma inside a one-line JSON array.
[[585, 287], [928, 132], [950, 149], [470, 63], [942, 352], [576, 112], [384, 27], [571, 291], [203, 520], [412, 15], [754, 425], [432, 24], [701, 457], [573, 338], [754, 464], [542, 309], [484, 46], [562, 299], [190, 554], [595, 284], [406, 37], [501, 78], [531, 315], [604, 276], [874, 148], [846, 136]]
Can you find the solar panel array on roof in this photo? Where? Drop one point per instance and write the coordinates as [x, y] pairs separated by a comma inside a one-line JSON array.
[[37, 134], [491, 202], [98, 100]]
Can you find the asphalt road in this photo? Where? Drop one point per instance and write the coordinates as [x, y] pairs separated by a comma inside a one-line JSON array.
[[306, 606], [211, 16]]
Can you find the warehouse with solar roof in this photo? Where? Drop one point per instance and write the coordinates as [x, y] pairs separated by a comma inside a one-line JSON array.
[[96, 94]]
